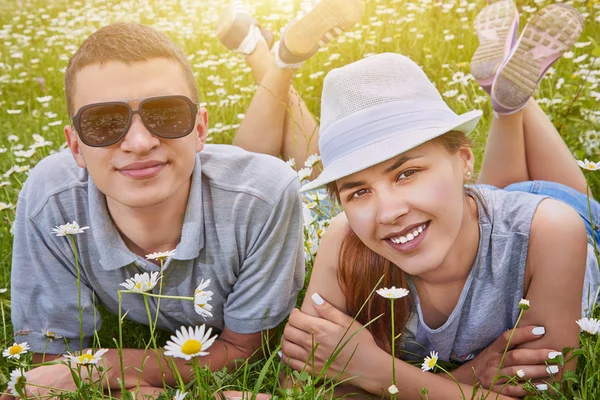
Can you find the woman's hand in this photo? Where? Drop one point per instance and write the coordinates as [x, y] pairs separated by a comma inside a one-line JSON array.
[[532, 362], [309, 342]]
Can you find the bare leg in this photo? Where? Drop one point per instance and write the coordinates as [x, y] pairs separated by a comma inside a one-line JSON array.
[[277, 121], [504, 161], [548, 157], [526, 146]]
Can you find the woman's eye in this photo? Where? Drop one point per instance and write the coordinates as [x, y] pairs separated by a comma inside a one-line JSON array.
[[406, 174], [358, 194]]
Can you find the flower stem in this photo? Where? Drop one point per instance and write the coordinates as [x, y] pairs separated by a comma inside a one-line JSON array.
[[393, 349], [81, 333], [453, 378], [120, 347], [153, 338], [512, 332]]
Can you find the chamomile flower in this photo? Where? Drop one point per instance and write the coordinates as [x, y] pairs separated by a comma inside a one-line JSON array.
[[392, 293], [161, 255], [589, 165], [141, 283], [430, 361], [179, 395], [50, 335], [393, 389], [3, 290], [521, 373], [591, 326], [524, 304], [17, 381], [86, 358], [69, 229], [312, 160], [202, 298], [190, 342], [16, 350]]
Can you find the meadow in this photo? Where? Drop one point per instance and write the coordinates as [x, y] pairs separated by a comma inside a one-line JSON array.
[[38, 37]]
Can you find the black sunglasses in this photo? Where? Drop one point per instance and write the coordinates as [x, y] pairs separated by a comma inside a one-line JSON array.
[[104, 124]]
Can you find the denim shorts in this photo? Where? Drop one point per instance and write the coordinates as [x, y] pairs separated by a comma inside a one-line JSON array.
[[589, 211]]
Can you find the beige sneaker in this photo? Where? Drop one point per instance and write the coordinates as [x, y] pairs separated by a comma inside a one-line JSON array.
[[239, 31], [328, 19]]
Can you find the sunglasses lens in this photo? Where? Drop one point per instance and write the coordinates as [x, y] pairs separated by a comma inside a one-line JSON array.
[[103, 125], [170, 117]]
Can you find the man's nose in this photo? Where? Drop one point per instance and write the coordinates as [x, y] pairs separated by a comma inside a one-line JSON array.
[[138, 138]]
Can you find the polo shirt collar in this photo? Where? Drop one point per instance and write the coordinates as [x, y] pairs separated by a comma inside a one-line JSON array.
[[114, 253]]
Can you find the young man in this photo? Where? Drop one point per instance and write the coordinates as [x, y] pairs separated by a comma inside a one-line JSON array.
[[139, 174]]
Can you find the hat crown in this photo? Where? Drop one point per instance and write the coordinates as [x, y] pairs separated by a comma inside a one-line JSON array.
[[371, 82]]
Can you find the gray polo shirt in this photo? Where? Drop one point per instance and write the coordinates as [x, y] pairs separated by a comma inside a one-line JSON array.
[[242, 230]]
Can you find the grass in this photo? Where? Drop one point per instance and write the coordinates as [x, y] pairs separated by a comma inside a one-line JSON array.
[[37, 38]]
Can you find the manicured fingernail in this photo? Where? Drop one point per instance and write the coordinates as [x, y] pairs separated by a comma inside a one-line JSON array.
[[552, 369], [280, 354], [318, 300], [553, 354], [538, 330], [541, 387]]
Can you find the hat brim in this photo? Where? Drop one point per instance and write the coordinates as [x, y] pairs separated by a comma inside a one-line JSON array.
[[386, 149]]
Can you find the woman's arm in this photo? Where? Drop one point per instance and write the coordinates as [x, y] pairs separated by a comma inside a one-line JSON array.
[[555, 273]]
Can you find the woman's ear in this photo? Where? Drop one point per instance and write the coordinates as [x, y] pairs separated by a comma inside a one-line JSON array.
[[468, 159]]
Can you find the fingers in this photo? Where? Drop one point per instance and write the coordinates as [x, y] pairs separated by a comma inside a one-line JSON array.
[[529, 357], [232, 395], [303, 321], [292, 350], [299, 337], [530, 371], [519, 391], [329, 312], [521, 335]]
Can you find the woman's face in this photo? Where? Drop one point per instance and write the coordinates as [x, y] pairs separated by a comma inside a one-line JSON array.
[[409, 209]]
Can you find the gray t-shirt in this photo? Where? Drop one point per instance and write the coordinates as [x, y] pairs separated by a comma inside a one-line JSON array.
[[242, 230], [489, 302]]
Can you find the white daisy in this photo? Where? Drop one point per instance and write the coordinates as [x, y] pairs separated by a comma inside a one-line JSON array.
[[17, 380], [161, 255], [430, 361], [3, 290], [393, 389], [179, 395], [524, 304], [393, 292], [190, 342], [521, 373], [201, 299], [590, 326], [304, 173], [16, 350], [589, 165], [141, 283], [69, 229], [87, 357], [312, 160], [50, 335]]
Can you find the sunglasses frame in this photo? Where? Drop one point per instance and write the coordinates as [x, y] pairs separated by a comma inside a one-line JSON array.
[[77, 117]]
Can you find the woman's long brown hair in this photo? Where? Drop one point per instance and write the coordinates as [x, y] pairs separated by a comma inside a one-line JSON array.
[[360, 269]]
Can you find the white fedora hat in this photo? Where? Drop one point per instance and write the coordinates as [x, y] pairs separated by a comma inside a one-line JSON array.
[[377, 108]]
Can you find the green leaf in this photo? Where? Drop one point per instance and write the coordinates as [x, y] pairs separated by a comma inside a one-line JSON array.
[[596, 51]]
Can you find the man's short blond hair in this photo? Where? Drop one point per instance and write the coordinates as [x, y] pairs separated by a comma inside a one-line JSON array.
[[126, 43]]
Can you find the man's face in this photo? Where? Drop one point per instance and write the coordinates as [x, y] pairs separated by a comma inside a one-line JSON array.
[[142, 169]]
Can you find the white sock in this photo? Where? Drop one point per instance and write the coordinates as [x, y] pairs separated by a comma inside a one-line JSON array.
[[248, 45], [282, 64]]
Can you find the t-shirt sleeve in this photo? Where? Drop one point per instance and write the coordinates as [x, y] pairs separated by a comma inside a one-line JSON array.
[[44, 289], [272, 272]]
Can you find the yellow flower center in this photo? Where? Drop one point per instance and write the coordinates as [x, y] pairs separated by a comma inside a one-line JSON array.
[[138, 286], [431, 363], [16, 349], [191, 346], [50, 334], [85, 358]]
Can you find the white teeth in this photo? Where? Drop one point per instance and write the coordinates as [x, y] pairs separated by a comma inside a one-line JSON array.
[[410, 236]]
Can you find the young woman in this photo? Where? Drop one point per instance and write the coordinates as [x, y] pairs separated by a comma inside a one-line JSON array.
[[399, 162]]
